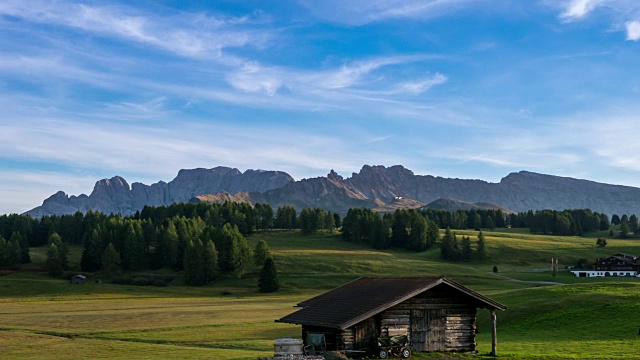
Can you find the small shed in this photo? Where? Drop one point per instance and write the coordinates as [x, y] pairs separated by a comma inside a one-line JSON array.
[[78, 279], [437, 313]]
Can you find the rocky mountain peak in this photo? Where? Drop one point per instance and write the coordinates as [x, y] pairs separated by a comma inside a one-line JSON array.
[[334, 176], [116, 184]]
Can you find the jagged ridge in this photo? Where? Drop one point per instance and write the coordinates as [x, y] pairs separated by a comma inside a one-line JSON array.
[[375, 187]]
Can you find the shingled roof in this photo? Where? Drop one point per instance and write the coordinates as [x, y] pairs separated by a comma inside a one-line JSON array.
[[362, 298]]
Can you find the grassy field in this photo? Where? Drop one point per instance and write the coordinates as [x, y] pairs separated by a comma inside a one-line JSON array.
[[41, 317]]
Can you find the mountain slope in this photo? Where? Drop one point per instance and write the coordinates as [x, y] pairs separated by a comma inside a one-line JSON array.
[[114, 195], [454, 204], [376, 187]]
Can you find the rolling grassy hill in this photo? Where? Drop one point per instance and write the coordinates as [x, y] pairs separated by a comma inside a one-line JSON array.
[[581, 318]]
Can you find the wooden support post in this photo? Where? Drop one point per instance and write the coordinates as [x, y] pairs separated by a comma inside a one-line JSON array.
[[494, 334]]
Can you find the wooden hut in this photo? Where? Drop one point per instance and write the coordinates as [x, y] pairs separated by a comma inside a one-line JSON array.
[[437, 313], [78, 279]]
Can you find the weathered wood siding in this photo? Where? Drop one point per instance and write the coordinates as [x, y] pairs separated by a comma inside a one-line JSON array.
[[436, 320]]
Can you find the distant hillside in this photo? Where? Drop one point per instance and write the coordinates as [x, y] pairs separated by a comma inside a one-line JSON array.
[[454, 204], [375, 187]]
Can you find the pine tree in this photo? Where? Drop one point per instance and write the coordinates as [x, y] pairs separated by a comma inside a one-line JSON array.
[[418, 233], [329, 222], [466, 252], [234, 251], [54, 261], [168, 245], [624, 229], [490, 223], [133, 254], [15, 252], [268, 280], [433, 234], [25, 257], [110, 260], [210, 259], [481, 251], [261, 252], [194, 267], [63, 249], [5, 256], [446, 245], [91, 254], [633, 223]]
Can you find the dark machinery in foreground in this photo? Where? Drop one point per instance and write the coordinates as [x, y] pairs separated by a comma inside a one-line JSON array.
[[394, 346]]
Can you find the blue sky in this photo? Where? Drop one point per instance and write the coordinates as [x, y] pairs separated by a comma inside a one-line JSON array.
[[452, 88]]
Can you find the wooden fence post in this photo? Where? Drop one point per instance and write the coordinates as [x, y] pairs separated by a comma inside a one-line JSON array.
[[494, 334]]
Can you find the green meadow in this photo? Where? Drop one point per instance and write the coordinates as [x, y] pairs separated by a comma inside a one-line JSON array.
[[548, 317]]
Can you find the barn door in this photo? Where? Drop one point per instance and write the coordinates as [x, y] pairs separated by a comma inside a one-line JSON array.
[[436, 337], [428, 330], [419, 329]]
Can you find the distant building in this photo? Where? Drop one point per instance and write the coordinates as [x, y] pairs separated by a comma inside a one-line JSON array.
[[612, 266], [78, 279]]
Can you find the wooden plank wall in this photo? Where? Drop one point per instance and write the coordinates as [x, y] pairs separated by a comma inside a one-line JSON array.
[[450, 320]]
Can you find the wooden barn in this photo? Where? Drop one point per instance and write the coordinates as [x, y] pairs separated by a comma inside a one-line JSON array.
[[78, 279], [437, 313]]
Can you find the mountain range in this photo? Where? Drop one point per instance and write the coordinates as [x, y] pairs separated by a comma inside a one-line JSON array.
[[378, 187]]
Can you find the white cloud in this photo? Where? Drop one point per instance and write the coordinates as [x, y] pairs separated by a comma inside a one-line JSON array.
[[633, 30], [420, 86], [578, 9]]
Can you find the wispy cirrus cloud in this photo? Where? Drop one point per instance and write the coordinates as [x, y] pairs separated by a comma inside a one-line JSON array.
[[360, 12], [187, 34]]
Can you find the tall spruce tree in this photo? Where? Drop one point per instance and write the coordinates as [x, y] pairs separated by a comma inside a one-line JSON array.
[[62, 249], [260, 253], [92, 252], [210, 259], [466, 252], [418, 233], [481, 252], [194, 266], [54, 261], [446, 245], [110, 260], [25, 257], [268, 280]]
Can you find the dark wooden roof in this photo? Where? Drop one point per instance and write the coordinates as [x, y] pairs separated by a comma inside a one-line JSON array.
[[362, 298]]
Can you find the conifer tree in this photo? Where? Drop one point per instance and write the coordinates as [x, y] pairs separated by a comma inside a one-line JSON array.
[[433, 234], [446, 245], [62, 248], [194, 266], [25, 257], [92, 252], [329, 222], [210, 259], [466, 252], [133, 254], [54, 261], [167, 251], [624, 229], [261, 252], [268, 280], [110, 260], [418, 233], [633, 223], [481, 252]]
